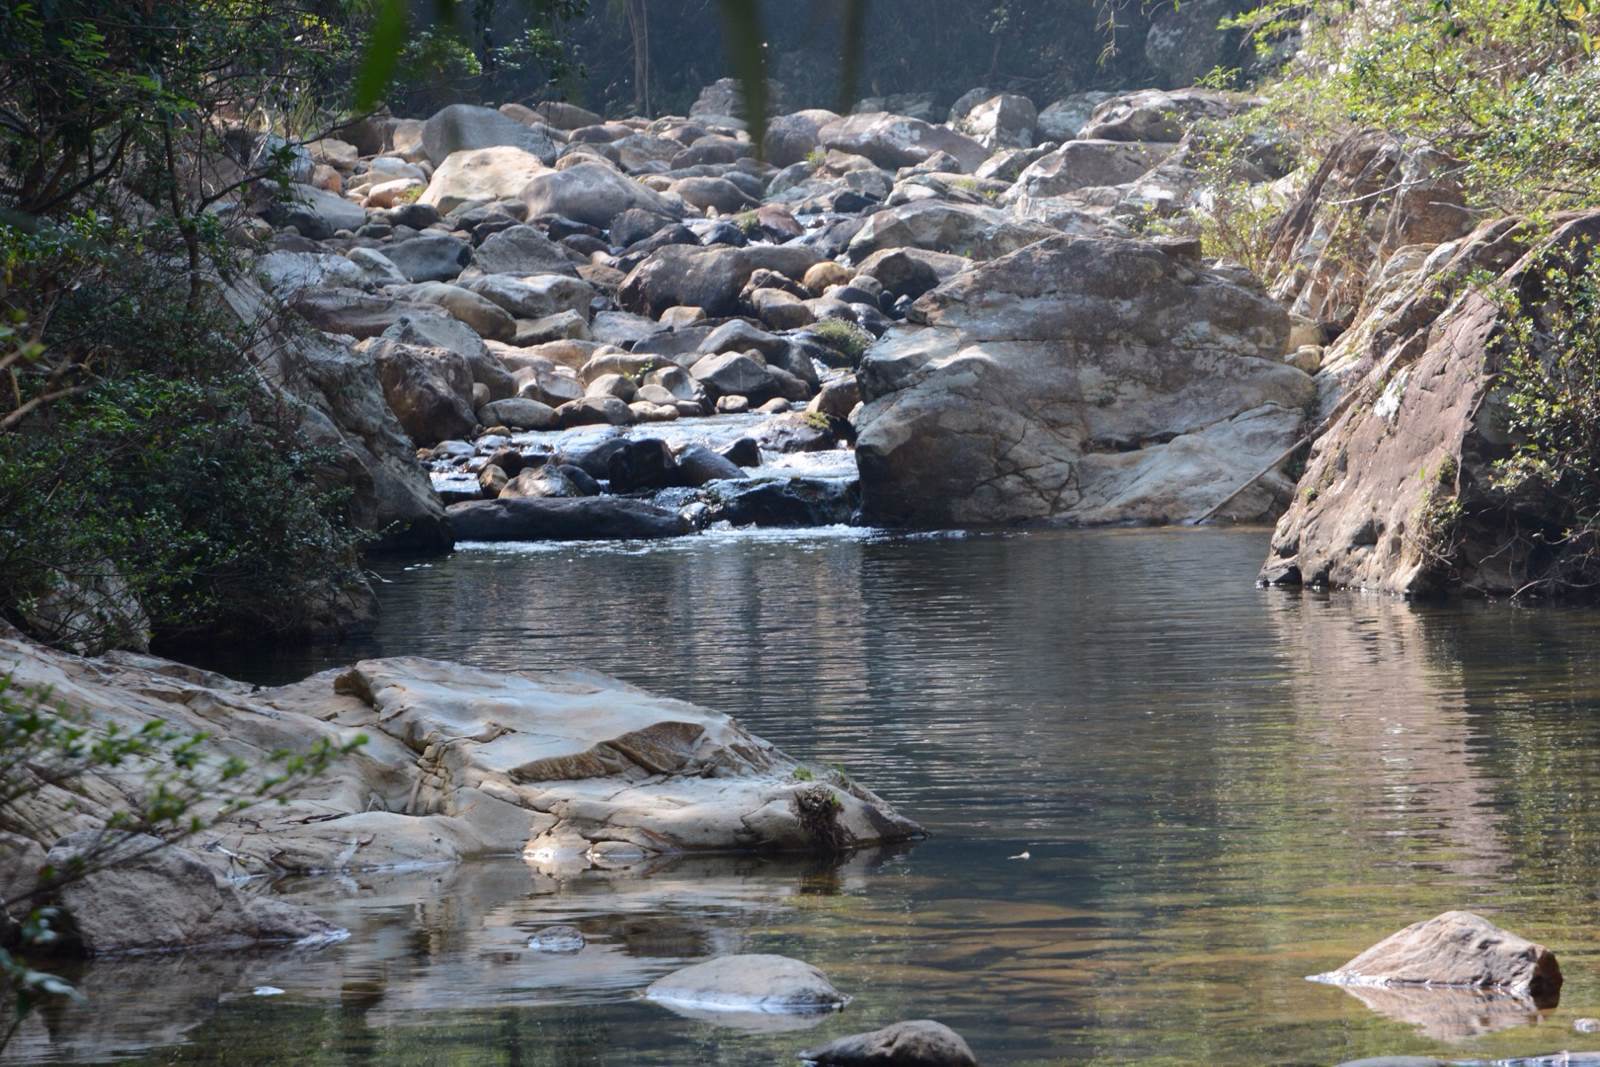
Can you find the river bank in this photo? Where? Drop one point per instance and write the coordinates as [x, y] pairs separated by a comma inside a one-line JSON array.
[[1222, 788]]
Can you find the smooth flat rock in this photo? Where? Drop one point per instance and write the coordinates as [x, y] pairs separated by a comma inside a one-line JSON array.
[[917, 1043], [563, 519], [757, 983]]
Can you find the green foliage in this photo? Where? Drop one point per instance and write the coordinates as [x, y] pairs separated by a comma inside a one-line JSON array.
[[843, 336], [173, 791], [1549, 389], [1509, 87]]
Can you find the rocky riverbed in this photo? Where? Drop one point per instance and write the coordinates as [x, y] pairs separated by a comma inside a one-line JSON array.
[[635, 327]]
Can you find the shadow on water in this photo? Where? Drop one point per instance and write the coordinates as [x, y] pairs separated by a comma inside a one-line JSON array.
[[1222, 788]]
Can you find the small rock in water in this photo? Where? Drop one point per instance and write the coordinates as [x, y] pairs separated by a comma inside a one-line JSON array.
[[267, 991], [557, 939], [1586, 1026], [919, 1043], [752, 983]]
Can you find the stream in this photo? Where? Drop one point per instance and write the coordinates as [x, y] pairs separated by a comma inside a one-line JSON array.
[[1220, 789]]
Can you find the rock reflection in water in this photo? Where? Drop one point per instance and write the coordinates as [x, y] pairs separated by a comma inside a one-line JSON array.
[[1452, 1015]]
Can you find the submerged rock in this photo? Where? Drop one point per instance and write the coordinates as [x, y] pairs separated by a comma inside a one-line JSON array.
[[557, 939], [750, 983], [917, 1043]]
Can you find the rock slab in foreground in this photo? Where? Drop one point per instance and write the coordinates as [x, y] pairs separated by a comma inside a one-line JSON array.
[[1456, 949], [575, 768], [750, 983], [917, 1043], [156, 897]]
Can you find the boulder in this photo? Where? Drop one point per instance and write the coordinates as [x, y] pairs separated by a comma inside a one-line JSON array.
[[911, 271], [560, 115], [1184, 42], [352, 312], [429, 257], [286, 273], [705, 193], [1156, 115], [593, 193], [750, 983], [1083, 381], [1457, 950], [918, 1043], [569, 766], [432, 330], [486, 318], [894, 141], [599, 518], [1064, 119], [1003, 121], [429, 390], [551, 481], [707, 278], [149, 896], [536, 296], [698, 465], [792, 138], [785, 502], [518, 413], [735, 374], [966, 230], [1080, 164], [523, 250], [480, 174], [466, 127], [316, 213]]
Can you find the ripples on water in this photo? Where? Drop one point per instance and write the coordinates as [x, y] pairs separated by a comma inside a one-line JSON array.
[[1223, 789]]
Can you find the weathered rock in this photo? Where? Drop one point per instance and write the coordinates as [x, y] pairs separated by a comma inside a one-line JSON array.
[[593, 193], [910, 272], [595, 410], [707, 278], [1403, 492], [522, 250], [486, 318], [967, 230], [284, 274], [432, 330], [1083, 381], [1064, 119], [752, 983], [602, 518], [1079, 164], [465, 127], [316, 213], [431, 257], [792, 138], [735, 374], [558, 939], [894, 141], [1155, 115], [918, 1043], [1456, 949], [155, 897], [1371, 197], [536, 296], [519, 413], [481, 174], [429, 390], [780, 502], [698, 465], [560, 115], [551, 481], [465, 762], [1003, 121], [1184, 43]]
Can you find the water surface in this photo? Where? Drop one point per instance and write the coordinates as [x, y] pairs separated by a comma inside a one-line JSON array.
[[1222, 789]]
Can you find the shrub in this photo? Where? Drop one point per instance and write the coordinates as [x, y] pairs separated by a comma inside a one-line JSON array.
[[843, 336]]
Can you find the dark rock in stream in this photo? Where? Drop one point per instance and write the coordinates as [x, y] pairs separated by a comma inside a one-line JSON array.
[[600, 518], [917, 1043], [786, 502]]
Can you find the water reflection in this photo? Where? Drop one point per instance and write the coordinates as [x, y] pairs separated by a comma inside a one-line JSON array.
[[1223, 789]]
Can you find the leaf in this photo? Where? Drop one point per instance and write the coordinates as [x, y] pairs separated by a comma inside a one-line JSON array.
[[383, 54]]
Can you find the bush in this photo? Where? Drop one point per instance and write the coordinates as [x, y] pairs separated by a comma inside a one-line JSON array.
[[843, 336]]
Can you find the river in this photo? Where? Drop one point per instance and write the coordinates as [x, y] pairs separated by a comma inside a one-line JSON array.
[[1221, 789]]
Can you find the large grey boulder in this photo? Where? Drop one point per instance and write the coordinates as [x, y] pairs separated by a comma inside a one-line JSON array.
[[593, 193], [144, 895], [1079, 380], [791, 138], [971, 231], [1063, 119], [917, 1043], [1081, 164], [522, 250], [576, 769], [480, 174], [1457, 950], [464, 127], [749, 983], [1156, 115], [483, 316], [894, 141], [316, 213], [429, 257], [429, 390], [1003, 121], [432, 329], [536, 296], [286, 273], [707, 278]]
